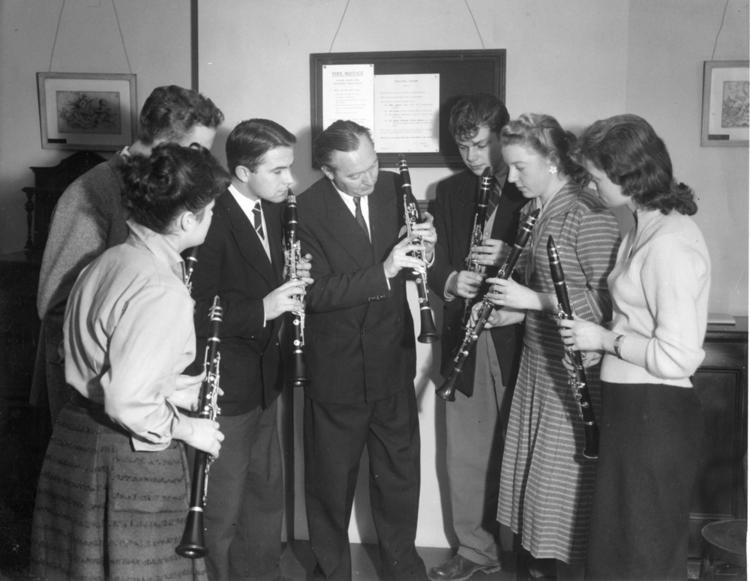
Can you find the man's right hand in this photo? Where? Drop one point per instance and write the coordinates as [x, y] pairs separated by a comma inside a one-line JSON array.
[[400, 257], [284, 299], [466, 284]]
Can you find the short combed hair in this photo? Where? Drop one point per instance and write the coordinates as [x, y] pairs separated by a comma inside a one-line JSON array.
[[470, 112], [340, 135], [251, 139], [170, 112], [172, 179], [544, 134], [628, 150]]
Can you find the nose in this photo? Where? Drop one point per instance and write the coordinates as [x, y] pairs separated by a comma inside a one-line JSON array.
[[512, 175]]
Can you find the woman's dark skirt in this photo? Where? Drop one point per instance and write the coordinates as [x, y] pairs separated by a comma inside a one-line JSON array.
[[651, 437], [104, 511]]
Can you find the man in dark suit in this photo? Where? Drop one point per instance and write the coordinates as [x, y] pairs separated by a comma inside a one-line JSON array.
[[360, 355], [475, 421], [242, 260]]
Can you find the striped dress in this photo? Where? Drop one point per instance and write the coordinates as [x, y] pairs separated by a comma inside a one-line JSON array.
[[546, 486]]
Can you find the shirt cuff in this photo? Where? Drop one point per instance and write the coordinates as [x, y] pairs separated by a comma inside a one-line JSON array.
[[449, 296]]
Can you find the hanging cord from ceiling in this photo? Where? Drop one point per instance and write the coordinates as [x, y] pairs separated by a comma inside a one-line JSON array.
[[57, 33], [338, 28], [474, 20], [718, 33]]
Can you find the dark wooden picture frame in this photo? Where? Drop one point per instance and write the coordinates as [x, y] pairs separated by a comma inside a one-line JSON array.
[[461, 72]]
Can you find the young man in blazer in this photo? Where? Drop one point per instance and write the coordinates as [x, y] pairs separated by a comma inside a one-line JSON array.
[[475, 421], [242, 261], [360, 355]]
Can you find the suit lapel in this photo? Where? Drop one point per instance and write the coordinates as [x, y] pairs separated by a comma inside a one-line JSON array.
[[248, 244], [383, 208], [347, 231]]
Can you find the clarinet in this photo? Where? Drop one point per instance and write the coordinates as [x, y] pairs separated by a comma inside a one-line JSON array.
[[448, 390], [191, 259], [193, 545], [428, 332], [292, 254], [477, 233], [577, 378]]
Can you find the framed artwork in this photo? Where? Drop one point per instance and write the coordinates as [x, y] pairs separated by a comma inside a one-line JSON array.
[[404, 98], [726, 91], [87, 110]]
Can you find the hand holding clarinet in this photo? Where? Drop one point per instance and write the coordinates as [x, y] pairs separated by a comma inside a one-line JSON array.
[[482, 312]]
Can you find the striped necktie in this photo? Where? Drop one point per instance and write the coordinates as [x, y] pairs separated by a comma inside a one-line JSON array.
[[258, 220], [494, 197], [359, 217]]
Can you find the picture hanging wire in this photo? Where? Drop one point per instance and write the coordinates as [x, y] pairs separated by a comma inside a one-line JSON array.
[[346, 7], [718, 33], [57, 32]]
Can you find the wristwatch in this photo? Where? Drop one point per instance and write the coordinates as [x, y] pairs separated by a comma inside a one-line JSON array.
[[617, 345]]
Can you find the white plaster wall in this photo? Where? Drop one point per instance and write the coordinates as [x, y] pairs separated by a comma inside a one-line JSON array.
[[157, 40]]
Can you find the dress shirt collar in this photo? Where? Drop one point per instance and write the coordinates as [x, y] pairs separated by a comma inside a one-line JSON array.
[[159, 245]]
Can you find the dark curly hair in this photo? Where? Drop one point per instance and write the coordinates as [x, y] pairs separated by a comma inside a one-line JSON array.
[[628, 150], [170, 112], [543, 134], [470, 112], [173, 178]]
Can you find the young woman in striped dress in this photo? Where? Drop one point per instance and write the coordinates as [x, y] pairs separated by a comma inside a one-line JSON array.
[[113, 495], [546, 485]]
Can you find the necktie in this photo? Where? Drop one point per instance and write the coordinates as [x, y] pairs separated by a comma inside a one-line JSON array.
[[494, 197], [258, 220], [359, 217]]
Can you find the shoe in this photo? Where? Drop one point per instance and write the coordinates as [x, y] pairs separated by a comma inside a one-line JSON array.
[[459, 568]]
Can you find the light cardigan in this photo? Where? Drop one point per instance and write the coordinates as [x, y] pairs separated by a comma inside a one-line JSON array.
[[659, 288]]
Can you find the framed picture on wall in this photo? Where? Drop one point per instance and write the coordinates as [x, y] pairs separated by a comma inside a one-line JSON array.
[[726, 97], [87, 110], [404, 98]]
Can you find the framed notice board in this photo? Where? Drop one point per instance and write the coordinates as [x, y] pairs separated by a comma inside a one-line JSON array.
[[404, 98]]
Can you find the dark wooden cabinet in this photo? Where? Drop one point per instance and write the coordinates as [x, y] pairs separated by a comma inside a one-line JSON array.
[[721, 385]]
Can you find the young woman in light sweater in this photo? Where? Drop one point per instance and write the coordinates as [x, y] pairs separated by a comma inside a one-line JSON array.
[[651, 424]]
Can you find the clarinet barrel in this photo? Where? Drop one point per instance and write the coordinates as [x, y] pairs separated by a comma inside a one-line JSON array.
[[428, 332]]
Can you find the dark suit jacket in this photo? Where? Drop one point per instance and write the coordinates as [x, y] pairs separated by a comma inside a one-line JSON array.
[[233, 264], [454, 208], [359, 334]]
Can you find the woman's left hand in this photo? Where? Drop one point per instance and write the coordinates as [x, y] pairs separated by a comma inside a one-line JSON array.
[[582, 335], [506, 292]]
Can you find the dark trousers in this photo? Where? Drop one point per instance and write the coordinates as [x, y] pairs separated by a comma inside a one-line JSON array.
[[245, 501], [650, 445], [335, 436]]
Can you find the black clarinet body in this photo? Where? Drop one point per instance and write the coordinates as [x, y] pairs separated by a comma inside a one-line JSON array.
[[192, 545], [447, 391], [292, 256], [477, 233], [578, 382], [428, 331]]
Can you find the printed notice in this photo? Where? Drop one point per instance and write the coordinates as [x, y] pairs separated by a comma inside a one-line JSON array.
[[406, 113], [348, 94]]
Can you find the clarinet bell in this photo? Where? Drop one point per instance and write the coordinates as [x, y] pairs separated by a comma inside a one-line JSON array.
[[193, 545], [428, 332], [447, 391]]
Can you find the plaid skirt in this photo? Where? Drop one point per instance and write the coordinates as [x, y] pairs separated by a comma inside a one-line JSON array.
[[104, 511]]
